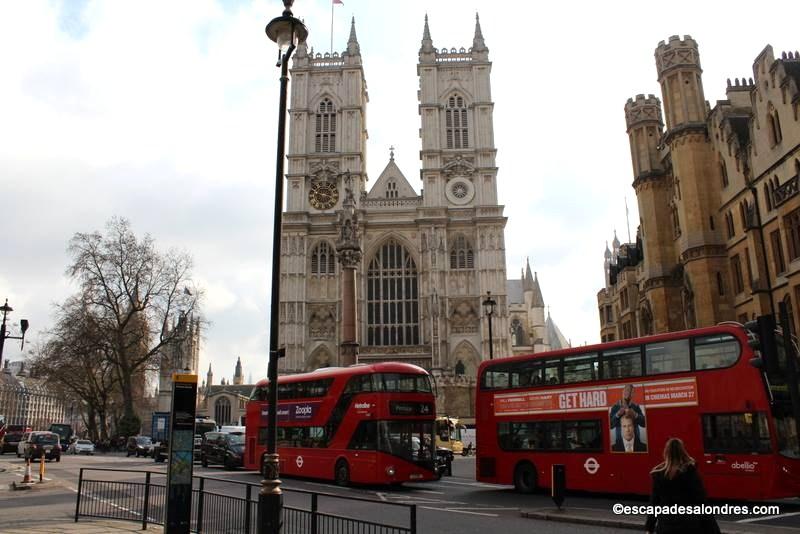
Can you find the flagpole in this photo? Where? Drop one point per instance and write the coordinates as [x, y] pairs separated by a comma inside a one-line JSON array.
[[627, 220], [332, 4]]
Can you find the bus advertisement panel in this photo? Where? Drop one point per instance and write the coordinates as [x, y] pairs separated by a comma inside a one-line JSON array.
[[606, 411], [371, 424]]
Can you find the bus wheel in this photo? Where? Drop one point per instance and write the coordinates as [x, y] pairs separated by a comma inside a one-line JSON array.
[[342, 474], [525, 478]]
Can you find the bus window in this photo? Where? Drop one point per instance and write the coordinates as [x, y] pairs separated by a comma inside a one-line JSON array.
[[365, 437], [580, 368], [530, 435], [583, 435], [526, 374], [667, 357], [736, 433], [551, 374], [714, 352], [495, 379], [622, 363], [786, 428]]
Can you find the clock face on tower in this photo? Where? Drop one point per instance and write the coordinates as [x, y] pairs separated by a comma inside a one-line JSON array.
[[323, 195]]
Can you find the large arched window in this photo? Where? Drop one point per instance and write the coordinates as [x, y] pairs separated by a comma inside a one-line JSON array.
[[392, 297], [461, 254], [456, 122], [323, 259], [774, 124], [325, 128], [222, 411]]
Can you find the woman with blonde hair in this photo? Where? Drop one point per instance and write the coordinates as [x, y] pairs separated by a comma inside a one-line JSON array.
[[676, 481]]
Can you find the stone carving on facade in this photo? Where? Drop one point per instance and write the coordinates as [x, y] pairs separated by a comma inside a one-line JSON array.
[[348, 246], [458, 166], [464, 317], [324, 170], [322, 321]]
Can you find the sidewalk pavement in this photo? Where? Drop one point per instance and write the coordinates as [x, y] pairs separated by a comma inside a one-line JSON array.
[[84, 526], [605, 518]]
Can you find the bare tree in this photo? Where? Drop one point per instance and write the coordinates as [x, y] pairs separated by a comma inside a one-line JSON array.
[[74, 360], [133, 291]]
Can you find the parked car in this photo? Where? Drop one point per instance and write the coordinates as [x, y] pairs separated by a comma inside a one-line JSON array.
[[11, 438], [22, 443], [140, 446], [42, 443], [81, 446], [222, 448]]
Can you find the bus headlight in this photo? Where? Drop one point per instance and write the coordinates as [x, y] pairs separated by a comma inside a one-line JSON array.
[[390, 471]]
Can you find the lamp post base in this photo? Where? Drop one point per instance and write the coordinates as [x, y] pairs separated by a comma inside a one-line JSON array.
[[270, 498]]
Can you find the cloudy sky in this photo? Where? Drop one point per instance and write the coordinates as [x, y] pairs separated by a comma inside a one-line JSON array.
[[163, 112]]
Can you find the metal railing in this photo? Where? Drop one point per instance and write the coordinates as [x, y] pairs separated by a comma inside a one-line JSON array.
[[231, 507]]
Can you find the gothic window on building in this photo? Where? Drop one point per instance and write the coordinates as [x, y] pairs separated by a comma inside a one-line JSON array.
[[623, 297], [609, 314], [723, 169], [777, 251], [720, 284], [749, 268], [730, 225], [774, 126], [222, 411], [456, 123], [768, 196], [676, 223], [391, 189], [461, 254], [790, 313], [736, 269], [792, 224], [323, 259], [392, 297], [325, 127], [711, 222]]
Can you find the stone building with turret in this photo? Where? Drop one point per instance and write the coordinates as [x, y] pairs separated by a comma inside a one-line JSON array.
[[719, 233], [225, 402], [373, 270]]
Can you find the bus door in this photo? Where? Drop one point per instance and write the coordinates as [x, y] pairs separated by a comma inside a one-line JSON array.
[[731, 463]]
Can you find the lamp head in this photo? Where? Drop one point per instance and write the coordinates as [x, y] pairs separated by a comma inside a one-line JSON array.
[[286, 29], [489, 304]]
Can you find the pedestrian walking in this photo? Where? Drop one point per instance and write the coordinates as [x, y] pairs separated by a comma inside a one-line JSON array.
[[676, 481]]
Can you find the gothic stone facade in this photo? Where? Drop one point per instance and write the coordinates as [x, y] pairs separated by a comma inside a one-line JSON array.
[[719, 235], [427, 260]]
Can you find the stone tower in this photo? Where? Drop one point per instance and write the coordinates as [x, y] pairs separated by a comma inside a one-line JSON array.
[[696, 182], [654, 192], [238, 376], [459, 179], [327, 145], [183, 353]]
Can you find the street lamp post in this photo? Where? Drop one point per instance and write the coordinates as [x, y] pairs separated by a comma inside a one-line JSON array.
[[286, 31], [4, 334], [488, 308]]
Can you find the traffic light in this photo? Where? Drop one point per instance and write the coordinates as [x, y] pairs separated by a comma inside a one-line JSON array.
[[761, 337]]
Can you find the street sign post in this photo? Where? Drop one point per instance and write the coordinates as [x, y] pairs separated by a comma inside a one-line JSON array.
[[181, 454]]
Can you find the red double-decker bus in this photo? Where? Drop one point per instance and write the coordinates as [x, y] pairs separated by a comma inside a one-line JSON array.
[[370, 424], [606, 411]]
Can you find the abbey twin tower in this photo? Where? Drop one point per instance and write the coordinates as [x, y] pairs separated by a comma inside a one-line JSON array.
[[372, 271]]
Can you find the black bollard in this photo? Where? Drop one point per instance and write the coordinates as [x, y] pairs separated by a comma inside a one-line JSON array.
[[558, 486]]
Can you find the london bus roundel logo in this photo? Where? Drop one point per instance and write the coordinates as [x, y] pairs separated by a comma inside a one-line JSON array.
[[299, 461], [591, 465]]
